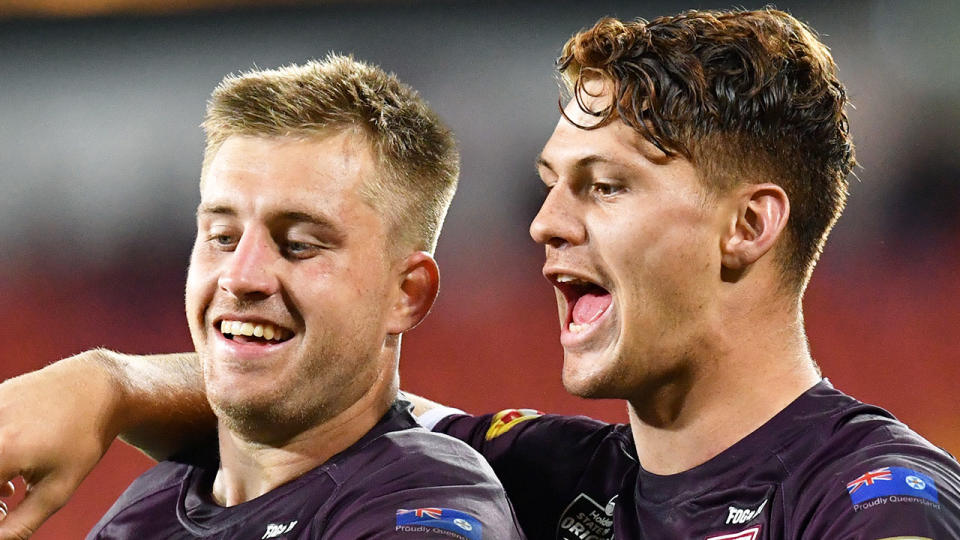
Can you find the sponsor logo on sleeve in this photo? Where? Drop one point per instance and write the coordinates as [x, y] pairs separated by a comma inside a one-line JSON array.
[[892, 485], [503, 421], [747, 534], [586, 519], [444, 521]]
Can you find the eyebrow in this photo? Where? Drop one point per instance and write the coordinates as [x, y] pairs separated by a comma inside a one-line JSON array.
[[295, 216], [215, 209], [584, 161]]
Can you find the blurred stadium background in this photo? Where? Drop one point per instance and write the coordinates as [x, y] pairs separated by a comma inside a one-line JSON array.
[[100, 153]]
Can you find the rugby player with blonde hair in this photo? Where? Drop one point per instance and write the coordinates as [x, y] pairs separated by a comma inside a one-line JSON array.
[[323, 190]]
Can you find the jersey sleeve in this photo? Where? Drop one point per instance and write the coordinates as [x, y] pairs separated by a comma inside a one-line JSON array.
[[913, 495], [539, 458], [447, 493]]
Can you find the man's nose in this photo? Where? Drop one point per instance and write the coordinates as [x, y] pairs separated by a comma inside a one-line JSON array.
[[558, 222], [249, 270]]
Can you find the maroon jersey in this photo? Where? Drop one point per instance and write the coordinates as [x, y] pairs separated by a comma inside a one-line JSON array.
[[826, 467], [399, 481]]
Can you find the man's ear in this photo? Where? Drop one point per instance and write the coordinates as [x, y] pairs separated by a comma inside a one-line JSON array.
[[419, 282], [762, 212]]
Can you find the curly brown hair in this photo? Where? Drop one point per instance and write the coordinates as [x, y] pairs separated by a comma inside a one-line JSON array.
[[746, 96]]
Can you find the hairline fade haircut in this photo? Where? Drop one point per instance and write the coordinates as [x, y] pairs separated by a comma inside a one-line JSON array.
[[746, 96], [417, 158]]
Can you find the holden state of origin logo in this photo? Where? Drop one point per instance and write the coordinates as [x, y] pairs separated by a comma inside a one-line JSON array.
[[586, 519]]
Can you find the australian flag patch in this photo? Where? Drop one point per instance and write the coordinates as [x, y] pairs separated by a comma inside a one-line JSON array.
[[447, 519], [890, 481]]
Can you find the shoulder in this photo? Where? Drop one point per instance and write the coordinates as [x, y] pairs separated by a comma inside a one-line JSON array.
[[525, 444], [164, 477], [859, 434], [413, 458], [157, 487], [870, 471], [532, 430], [830, 432], [420, 482], [546, 461]]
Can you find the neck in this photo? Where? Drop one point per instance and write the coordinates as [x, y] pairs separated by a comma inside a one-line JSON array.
[[249, 469], [754, 371]]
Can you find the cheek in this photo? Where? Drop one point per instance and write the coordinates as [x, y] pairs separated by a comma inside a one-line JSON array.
[[668, 263], [370, 302], [681, 238], [347, 293], [370, 278], [199, 285]]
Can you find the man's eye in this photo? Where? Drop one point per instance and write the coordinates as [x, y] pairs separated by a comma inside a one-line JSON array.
[[605, 189], [222, 240], [300, 249]]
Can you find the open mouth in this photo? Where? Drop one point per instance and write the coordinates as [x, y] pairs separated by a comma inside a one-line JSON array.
[[586, 301], [254, 332]]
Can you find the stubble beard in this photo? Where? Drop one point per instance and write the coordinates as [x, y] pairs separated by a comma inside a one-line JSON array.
[[269, 424], [604, 382], [274, 416]]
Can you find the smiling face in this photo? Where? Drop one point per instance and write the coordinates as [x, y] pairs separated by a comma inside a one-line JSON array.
[[289, 286], [632, 247]]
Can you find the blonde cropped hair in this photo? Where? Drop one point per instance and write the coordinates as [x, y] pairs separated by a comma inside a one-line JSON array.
[[418, 161]]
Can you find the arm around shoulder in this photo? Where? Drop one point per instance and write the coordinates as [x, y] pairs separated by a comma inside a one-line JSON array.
[[56, 423], [166, 409]]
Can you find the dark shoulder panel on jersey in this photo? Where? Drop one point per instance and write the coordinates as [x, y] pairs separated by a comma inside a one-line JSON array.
[[551, 465], [135, 510], [870, 476], [399, 482], [416, 484]]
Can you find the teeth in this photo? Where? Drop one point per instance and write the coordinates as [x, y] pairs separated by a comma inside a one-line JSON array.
[[567, 278], [576, 328], [238, 328]]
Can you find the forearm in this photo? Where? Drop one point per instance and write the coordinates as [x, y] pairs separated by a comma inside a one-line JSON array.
[[57, 422], [161, 404]]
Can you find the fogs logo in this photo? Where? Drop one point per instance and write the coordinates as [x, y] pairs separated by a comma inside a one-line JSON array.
[[738, 516], [274, 530]]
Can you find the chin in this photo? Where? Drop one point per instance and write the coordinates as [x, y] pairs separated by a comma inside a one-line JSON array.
[[266, 423], [592, 390], [587, 385], [245, 404], [595, 376], [244, 411]]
